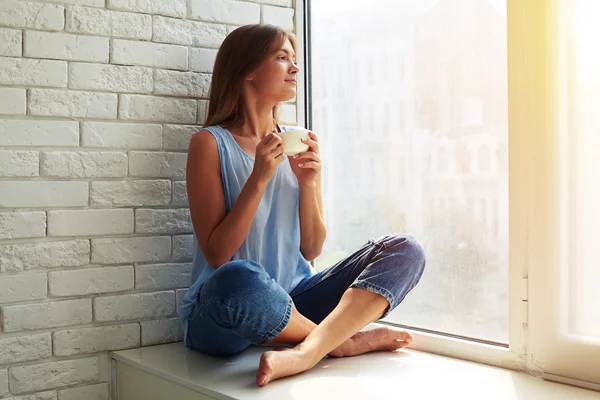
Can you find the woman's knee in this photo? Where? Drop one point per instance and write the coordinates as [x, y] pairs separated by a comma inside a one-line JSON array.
[[412, 253], [234, 277]]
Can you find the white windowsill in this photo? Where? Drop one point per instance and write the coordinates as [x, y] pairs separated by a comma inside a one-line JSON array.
[[408, 374]]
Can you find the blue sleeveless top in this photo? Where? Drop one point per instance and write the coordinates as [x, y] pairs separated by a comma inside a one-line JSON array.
[[273, 240]]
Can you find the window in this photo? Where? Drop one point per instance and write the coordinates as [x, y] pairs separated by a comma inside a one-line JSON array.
[[448, 86]]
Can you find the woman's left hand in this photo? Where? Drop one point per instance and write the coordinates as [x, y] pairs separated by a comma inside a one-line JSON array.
[[307, 165]]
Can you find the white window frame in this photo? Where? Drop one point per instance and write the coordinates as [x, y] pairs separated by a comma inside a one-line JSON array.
[[531, 27]]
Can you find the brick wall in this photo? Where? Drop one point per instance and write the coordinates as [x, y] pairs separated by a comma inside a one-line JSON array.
[[98, 100]]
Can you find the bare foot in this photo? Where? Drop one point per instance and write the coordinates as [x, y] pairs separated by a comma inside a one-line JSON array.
[[283, 362], [384, 338]]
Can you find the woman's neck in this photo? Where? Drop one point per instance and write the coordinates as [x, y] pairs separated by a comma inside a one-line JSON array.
[[258, 121]]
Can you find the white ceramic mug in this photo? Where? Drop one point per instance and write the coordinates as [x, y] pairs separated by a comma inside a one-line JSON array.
[[292, 141]]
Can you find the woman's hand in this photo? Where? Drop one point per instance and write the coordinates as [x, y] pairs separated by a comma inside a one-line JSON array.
[[269, 154], [307, 165]]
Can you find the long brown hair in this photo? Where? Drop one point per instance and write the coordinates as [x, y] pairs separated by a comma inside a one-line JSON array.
[[240, 53]]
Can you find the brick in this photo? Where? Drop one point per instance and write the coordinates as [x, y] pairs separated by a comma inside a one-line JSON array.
[[51, 395], [93, 3], [188, 33], [23, 71], [174, 8], [149, 54], [23, 287], [175, 83], [134, 306], [43, 194], [108, 23], [227, 11], [25, 348], [13, 101], [180, 196], [164, 222], [157, 164], [126, 250], [281, 3], [121, 135], [179, 295], [149, 108], [86, 281], [130, 193], [202, 111], [3, 382], [10, 42], [19, 163], [202, 60], [28, 15], [25, 256], [83, 164], [280, 16], [92, 392], [47, 315], [51, 375], [183, 248], [64, 46], [93, 340], [64, 103], [162, 276], [90, 222], [161, 331], [22, 224], [14, 132], [112, 78]]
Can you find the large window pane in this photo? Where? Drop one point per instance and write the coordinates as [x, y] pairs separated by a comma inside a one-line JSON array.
[[410, 104], [584, 137]]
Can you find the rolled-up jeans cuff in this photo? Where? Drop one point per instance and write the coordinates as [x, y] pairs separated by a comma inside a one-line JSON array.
[[280, 327], [379, 290]]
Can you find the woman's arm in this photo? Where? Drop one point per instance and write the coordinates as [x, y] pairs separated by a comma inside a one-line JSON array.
[[307, 167], [220, 235]]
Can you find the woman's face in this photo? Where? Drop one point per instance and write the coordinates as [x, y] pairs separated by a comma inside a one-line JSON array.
[[275, 78]]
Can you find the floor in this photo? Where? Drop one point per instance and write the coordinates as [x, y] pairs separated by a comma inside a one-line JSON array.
[[403, 375]]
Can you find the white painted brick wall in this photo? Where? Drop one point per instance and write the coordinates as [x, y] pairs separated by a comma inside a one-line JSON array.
[[10, 42], [91, 392], [134, 306], [86, 281], [120, 135], [19, 163], [162, 165], [3, 382], [98, 102], [51, 375], [13, 101], [22, 224], [93, 340], [184, 84], [25, 256], [24, 287], [65, 46], [30, 15], [108, 23], [50, 314], [17, 349], [112, 78], [90, 222]]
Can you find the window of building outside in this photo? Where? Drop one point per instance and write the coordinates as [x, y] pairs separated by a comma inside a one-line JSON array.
[[435, 70]]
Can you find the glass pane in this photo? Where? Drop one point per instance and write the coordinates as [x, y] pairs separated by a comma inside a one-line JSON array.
[[584, 307], [410, 104]]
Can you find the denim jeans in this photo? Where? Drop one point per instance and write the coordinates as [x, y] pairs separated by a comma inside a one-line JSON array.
[[240, 304]]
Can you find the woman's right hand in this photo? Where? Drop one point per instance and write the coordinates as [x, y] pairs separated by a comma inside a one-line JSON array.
[[269, 154]]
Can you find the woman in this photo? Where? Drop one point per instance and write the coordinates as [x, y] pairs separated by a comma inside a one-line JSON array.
[[258, 221]]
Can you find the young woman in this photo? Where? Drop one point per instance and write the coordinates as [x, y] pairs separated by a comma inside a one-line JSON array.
[[258, 221]]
